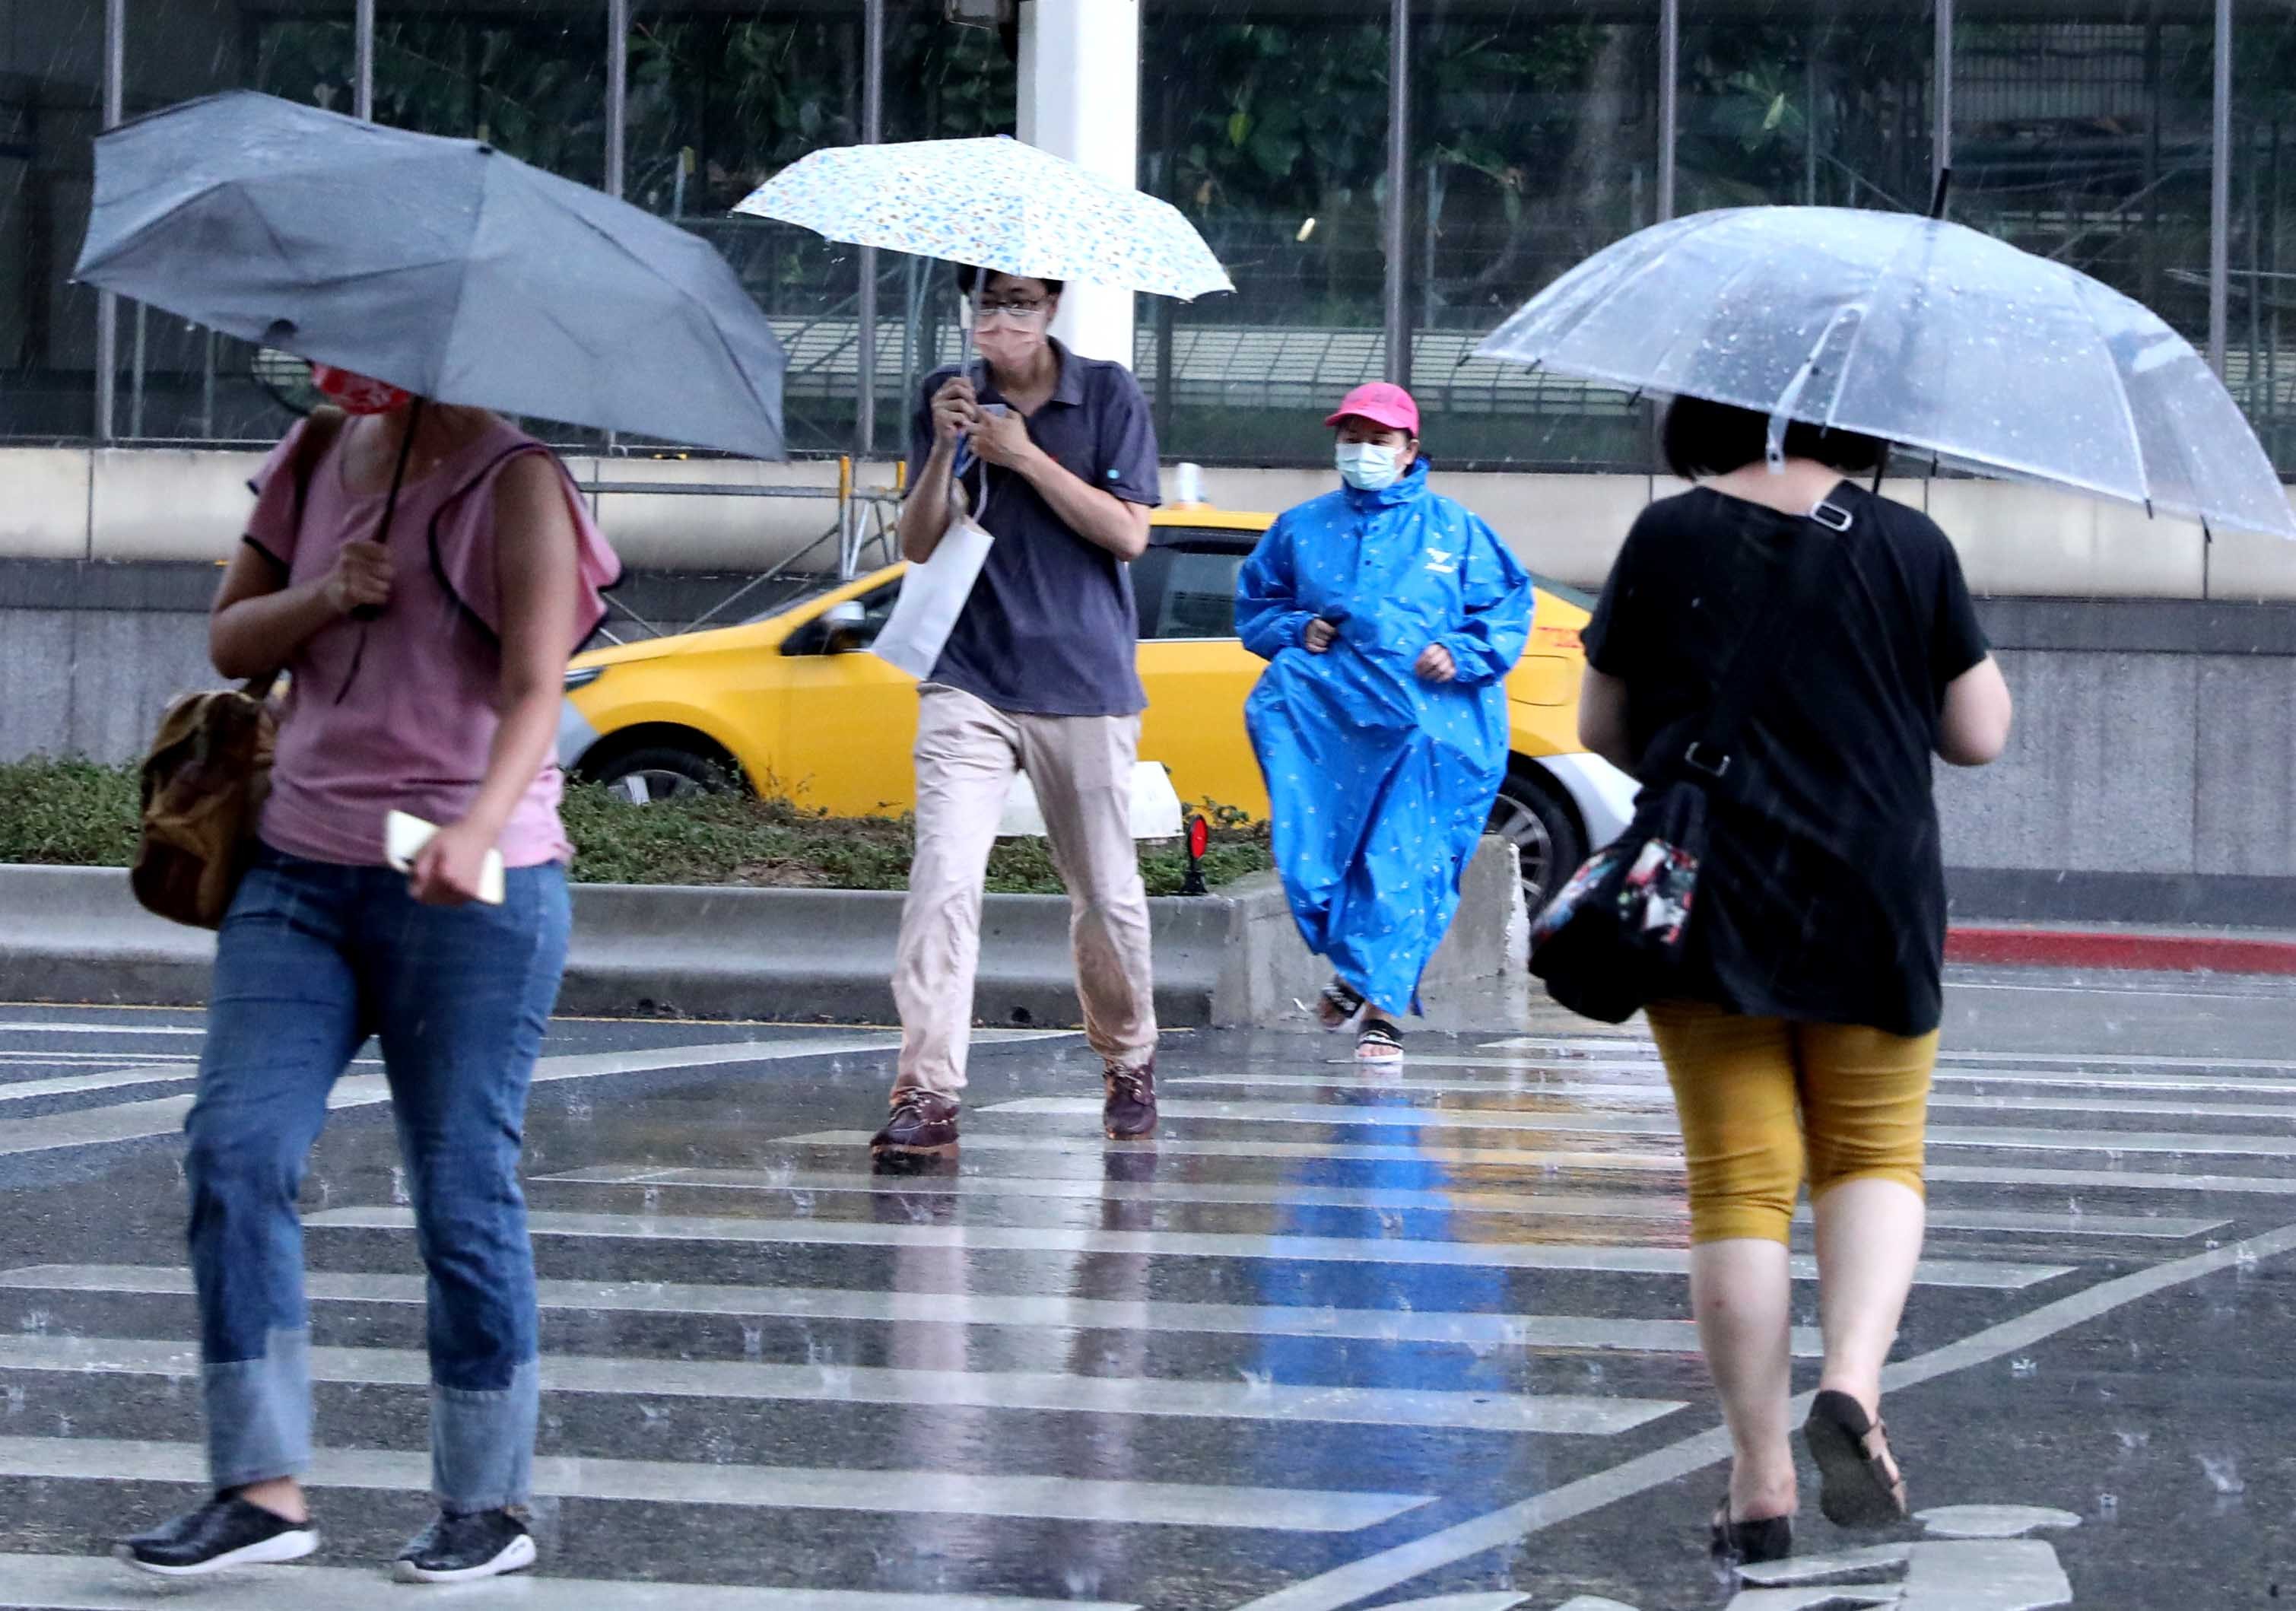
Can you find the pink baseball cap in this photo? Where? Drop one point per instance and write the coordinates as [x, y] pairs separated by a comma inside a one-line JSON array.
[[1382, 405]]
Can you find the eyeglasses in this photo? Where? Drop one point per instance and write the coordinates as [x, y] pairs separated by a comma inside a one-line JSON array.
[[1022, 312]]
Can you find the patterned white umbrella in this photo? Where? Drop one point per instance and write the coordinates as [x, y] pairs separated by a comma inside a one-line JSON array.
[[995, 203]]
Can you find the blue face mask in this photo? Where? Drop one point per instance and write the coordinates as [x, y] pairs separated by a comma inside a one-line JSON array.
[[1366, 466]]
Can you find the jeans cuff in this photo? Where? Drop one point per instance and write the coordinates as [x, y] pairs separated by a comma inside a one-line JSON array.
[[482, 1443], [259, 1412]]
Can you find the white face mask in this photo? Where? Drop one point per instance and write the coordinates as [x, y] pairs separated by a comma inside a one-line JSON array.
[[1366, 466]]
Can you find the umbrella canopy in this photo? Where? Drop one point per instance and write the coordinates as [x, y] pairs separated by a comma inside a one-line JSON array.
[[1921, 331], [995, 203], [441, 266]]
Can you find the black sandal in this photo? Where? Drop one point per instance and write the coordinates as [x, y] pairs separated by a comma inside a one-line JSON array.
[[1338, 1004], [1750, 1543], [1379, 1042], [1861, 1484]]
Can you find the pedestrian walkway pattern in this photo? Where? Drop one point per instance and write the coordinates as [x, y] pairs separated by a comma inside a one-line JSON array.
[[1279, 1357]]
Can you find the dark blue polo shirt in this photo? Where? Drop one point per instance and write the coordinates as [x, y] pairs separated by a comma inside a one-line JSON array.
[[1050, 629]]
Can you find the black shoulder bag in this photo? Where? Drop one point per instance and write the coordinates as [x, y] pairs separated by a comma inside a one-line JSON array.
[[1612, 942]]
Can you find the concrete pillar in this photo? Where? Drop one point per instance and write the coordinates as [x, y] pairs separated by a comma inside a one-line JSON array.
[[1080, 99]]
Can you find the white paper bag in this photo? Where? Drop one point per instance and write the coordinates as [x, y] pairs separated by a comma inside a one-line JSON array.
[[932, 596]]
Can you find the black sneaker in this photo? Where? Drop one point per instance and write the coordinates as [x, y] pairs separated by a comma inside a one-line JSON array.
[[461, 1549], [1129, 1114], [224, 1532], [921, 1124]]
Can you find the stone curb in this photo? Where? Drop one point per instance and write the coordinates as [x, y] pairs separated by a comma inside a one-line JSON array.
[[76, 935]]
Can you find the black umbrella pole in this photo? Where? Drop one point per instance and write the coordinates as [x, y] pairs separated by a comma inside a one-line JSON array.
[[391, 499]]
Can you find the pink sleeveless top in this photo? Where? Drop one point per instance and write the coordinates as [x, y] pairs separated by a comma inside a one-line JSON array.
[[399, 713]]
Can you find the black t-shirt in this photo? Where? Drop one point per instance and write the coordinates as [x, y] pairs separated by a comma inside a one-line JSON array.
[[1821, 897]]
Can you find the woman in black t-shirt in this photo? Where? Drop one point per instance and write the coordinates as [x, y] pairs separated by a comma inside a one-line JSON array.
[[1807, 1029]]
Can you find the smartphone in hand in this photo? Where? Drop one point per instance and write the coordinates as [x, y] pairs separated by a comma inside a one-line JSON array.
[[404, 837]]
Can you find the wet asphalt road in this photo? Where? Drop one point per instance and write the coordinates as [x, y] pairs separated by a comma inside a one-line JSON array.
[[1331, 1341]]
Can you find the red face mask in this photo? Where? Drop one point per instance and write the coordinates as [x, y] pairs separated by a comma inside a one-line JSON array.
[[355, 393]]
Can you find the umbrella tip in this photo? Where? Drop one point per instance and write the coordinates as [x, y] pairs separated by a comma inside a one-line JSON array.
[[277, 331]]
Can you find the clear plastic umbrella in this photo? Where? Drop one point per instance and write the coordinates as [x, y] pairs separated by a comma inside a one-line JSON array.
[[1922, 332], [995, 203]]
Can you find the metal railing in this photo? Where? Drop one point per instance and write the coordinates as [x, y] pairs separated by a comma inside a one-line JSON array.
[[865, 516]]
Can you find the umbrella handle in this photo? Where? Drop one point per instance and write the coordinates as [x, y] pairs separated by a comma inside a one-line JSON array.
[[365, 612]]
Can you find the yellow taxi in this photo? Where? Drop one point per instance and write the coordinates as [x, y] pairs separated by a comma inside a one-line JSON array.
[[786, 704]]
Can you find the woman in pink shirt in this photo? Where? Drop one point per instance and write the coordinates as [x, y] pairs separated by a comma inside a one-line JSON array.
[[425, 674]]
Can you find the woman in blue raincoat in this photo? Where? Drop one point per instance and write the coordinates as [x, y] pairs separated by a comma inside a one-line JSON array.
[[1390, 617]]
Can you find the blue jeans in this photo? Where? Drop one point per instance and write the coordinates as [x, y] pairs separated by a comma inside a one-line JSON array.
[[314, 958]]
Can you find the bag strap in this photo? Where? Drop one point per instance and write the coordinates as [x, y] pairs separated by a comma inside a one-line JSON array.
[[323, 427], [1755, 665]]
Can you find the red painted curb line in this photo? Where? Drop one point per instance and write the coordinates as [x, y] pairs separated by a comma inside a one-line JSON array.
[[2133, 952]]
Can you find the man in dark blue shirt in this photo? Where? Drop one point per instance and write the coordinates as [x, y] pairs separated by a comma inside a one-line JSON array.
[[1055, 457]]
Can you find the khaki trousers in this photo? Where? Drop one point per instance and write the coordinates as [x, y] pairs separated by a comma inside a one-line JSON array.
[[1081, 769]]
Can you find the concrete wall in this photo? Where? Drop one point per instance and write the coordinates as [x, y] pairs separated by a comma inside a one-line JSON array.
[[162, 503], [2151, 770]]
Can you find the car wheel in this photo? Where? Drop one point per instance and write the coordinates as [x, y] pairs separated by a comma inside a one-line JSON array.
[[643, 777], [1532, 813]]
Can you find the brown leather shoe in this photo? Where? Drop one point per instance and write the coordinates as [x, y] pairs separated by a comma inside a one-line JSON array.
[[921, 1124], [1129, 1111]]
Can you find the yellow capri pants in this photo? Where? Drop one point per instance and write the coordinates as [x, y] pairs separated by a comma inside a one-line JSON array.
[[1764, 1100]]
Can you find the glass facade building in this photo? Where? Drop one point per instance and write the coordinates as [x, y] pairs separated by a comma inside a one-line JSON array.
[[1386, 180]]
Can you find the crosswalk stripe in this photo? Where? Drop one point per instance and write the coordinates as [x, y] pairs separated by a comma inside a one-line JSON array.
[[1166, 1243], [1549, 1076], [1243, 1400], [1606, 1046], [114, 1079], [83, 1582], [1635, 1160], [43, 1056], [1529, 1203], [1340, 1116], [187, 1031], [1066, 1498], [164, 1115], [1027, 1311], [1550, 1161], [1652, 1094]]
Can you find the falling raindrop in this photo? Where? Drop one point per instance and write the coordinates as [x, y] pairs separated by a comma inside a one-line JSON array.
[[2223, 1472], [753, 1342]]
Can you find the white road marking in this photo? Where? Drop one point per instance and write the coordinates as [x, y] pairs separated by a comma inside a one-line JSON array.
[[84, 1582], [1468, 1410], [164, 1115], [1021, 1311], [1534, 1204], [1658, 1097], [970, 1493], [1158, 1243], [1339, 1116]]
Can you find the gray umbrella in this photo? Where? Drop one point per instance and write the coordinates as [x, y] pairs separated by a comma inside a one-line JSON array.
[[1921, 331], [441, 266]]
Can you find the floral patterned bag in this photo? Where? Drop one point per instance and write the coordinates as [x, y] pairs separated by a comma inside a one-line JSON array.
[[1612, 941]]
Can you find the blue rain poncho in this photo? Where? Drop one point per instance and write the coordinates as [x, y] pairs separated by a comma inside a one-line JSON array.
[[1380, 782]]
